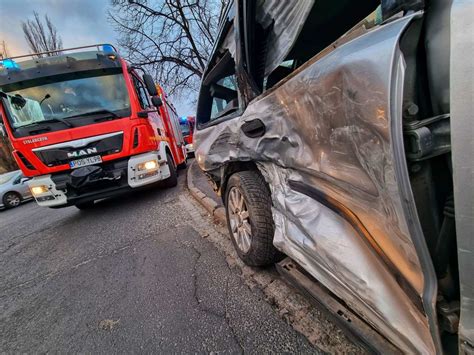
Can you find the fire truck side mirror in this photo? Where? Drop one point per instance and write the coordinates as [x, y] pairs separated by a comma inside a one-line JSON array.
[[156, 101], [150, 84]]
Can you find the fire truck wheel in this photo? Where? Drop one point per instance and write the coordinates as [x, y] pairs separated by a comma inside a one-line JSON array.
[[249, 218], [85, 205], [173, 179], [184, 164]]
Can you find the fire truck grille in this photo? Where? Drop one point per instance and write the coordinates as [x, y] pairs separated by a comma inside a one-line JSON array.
[[63, 153]]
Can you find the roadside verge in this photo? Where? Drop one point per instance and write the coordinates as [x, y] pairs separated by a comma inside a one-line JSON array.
[[211, 203]]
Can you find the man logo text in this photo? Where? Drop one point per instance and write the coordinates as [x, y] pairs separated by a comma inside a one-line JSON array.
[[81, 152]]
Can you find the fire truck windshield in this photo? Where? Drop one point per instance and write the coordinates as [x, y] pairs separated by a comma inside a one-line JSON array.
[[185, 129], [66, 100]]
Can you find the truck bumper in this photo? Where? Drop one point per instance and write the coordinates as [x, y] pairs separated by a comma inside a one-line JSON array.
[[190, 148], [98, 181]]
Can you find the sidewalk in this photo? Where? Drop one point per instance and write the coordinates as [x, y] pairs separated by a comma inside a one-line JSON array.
[[201, 188]]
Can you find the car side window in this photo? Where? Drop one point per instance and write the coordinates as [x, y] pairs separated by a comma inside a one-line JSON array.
[[17, 179], [142, 93], [221, 103], [219, 94]]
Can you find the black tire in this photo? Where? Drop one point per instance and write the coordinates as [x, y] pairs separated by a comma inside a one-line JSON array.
[[172, 181], [256, 196], [85, 205], [184, 164], [11, 199]]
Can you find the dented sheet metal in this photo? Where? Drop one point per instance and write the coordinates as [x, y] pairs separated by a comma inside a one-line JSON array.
[[330, 128], [327, 246], [286, 19], [229, 42]]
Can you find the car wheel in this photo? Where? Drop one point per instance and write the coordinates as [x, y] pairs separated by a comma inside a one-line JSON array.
[[249, 219], [85, 205], [173, 178], [11, 199]]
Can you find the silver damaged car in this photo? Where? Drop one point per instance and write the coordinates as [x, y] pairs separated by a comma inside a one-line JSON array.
[[339, 134]]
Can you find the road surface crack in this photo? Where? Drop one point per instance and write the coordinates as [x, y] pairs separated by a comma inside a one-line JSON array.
[[227, 317], [223, 315]]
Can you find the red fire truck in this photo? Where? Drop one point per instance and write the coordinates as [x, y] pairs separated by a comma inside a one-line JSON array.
[[85, 125], [187, 128]]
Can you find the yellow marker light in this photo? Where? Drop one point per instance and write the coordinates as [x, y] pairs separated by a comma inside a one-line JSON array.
[[38, 190], [148, 165]]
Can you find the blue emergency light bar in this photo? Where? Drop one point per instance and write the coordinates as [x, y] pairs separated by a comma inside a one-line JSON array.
[[108, 48], [104, 47], [9, 64]]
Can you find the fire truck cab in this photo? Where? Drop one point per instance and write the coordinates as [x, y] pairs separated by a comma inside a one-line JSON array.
[[187, 129], [85, 125]]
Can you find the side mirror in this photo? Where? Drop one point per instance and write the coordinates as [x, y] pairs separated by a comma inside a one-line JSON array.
[[156, 101], [150, 84], [3, 132], [18, 101], [23, 180]]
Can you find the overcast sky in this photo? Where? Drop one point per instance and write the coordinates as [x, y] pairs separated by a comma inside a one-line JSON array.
[[79, 22]]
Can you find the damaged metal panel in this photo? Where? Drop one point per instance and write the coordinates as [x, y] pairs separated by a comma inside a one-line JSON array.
[[330, 127], [329, 248], [462, 130], [286, 19], [229, 42]]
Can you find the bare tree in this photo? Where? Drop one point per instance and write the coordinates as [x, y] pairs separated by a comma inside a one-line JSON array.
[[41, 37], [172, 38]]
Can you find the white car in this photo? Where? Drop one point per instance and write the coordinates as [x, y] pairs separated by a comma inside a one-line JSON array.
[[13, 189]]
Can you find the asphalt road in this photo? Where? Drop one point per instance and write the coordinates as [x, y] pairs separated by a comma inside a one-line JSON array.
[[130, 275]]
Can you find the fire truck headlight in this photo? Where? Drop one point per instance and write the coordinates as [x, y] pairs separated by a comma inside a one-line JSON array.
[[148, 165], [38, 190]]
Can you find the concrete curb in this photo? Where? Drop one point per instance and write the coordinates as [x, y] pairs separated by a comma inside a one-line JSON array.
[[217, 211]]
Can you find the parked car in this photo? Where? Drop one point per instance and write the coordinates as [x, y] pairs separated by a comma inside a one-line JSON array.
[[13, 189], [327, 129]]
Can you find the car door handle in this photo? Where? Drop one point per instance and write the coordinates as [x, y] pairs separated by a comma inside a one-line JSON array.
[[253, 129]]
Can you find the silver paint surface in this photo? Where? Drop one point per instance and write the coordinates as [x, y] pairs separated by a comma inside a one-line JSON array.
[[330, 126], [462, 133]]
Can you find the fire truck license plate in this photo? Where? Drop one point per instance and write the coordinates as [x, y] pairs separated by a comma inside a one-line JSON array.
[[85, 161]]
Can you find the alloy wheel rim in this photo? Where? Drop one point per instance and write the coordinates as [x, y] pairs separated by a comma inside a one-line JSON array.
[[239, 219], [13, 200]]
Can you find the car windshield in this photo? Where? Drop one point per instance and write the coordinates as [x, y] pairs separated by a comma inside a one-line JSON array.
[[4, 178], [185, 128], [64, 99]]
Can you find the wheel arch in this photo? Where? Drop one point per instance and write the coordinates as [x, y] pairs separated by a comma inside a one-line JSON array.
[[231, 168], [164, 147], [168, 152], [12, 191]]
